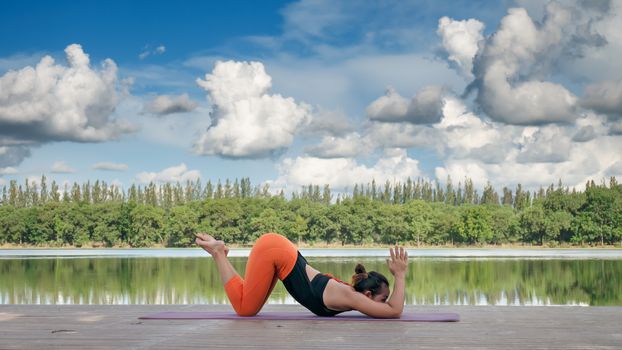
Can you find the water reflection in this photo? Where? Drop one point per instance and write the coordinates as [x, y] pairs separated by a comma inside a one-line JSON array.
[[196, 281]]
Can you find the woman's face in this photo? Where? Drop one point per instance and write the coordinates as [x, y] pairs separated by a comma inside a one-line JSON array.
[[382, 295]]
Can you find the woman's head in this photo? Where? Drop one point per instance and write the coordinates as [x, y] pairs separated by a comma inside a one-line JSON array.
[[373, 284]]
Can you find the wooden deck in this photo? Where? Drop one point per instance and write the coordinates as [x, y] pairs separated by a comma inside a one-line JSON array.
[[481, 327]]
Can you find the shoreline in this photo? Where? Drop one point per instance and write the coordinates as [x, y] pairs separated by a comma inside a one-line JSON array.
[[303, 245], [372, 253]]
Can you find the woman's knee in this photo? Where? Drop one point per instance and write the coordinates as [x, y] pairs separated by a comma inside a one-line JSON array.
[[271, 237], [246, 313], [268, 235]]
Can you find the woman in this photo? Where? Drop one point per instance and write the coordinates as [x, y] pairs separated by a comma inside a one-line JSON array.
[[274, 257]]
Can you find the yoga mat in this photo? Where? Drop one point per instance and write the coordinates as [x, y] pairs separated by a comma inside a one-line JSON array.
[[287, 316]]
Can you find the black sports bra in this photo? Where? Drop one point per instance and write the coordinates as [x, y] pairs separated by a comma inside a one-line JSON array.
[[308, 293]]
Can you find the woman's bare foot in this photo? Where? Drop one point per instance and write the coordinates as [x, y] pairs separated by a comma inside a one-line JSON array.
[[211, 244]]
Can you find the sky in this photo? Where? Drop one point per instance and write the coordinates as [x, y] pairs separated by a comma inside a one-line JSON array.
[[292, 93]]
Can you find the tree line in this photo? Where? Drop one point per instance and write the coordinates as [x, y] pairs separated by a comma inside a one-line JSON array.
[[414, 212]]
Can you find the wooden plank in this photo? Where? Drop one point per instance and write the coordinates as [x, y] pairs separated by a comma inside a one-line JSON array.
[[481, 327]]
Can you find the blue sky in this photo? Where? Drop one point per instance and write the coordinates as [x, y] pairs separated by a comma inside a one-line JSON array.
[[291, 93], [120, 29]]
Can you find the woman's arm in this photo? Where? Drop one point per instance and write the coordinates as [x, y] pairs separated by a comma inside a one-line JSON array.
[[398, 265], [393, 308]]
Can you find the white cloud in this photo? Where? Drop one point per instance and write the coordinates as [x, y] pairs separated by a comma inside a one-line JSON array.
[[51, 102], [390, 107], [589, 127], [424, 108], [350, 145], [587, 160], [616, 128], [110, 166], [62, 167], [8, 171], [54, 102], [615, 169], [173, 174], [601, 23], [604, 97], [535, 156], [464, 133], [547, 144], [340, 173], [12, 153], [349, 84], [178, 133], [401, 135], [459, 170], [18, 61], [328, 122], [167, 104], [516, 53], [510, 154], [247, 121], [460, 39], [148, 52], [586, 133], [459, 133]]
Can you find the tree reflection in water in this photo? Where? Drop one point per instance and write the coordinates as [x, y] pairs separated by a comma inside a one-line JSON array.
[[430, 281]]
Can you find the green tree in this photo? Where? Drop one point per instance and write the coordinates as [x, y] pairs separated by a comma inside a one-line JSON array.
[[420, 216], [504, 224], [223, 217], [146, 226], [535, 225], [603, 207], [473, 226], [12, 224], [180, 225], [321, 227], [106, 223]]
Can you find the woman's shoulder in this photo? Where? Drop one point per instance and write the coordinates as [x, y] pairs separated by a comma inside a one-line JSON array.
[[337, 279], [336, 295], [338, 291]]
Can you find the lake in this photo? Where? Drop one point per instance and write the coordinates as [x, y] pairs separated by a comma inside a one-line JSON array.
[[436, 276]]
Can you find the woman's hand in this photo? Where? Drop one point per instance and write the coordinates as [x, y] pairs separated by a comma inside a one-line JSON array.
[[210, 244], [398, 264]]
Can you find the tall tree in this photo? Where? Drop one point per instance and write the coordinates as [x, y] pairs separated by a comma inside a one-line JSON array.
[[44, 190], [450, 195]]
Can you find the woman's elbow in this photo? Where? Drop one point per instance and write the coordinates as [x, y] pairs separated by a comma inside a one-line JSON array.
[[396, 312], [390, 314]]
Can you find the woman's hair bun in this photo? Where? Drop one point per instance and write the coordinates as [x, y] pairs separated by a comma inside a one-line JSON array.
[[360, 274], [367, 281]]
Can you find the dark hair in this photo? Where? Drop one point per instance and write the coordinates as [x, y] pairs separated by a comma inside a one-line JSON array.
[[371, 281]]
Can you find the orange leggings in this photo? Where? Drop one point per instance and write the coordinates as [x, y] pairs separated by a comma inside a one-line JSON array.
[[273, 256]]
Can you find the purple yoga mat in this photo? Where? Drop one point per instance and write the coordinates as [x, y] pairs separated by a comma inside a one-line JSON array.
[[286, 316]]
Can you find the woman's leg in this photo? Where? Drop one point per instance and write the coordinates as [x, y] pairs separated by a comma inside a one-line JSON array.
[[273, 256]]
